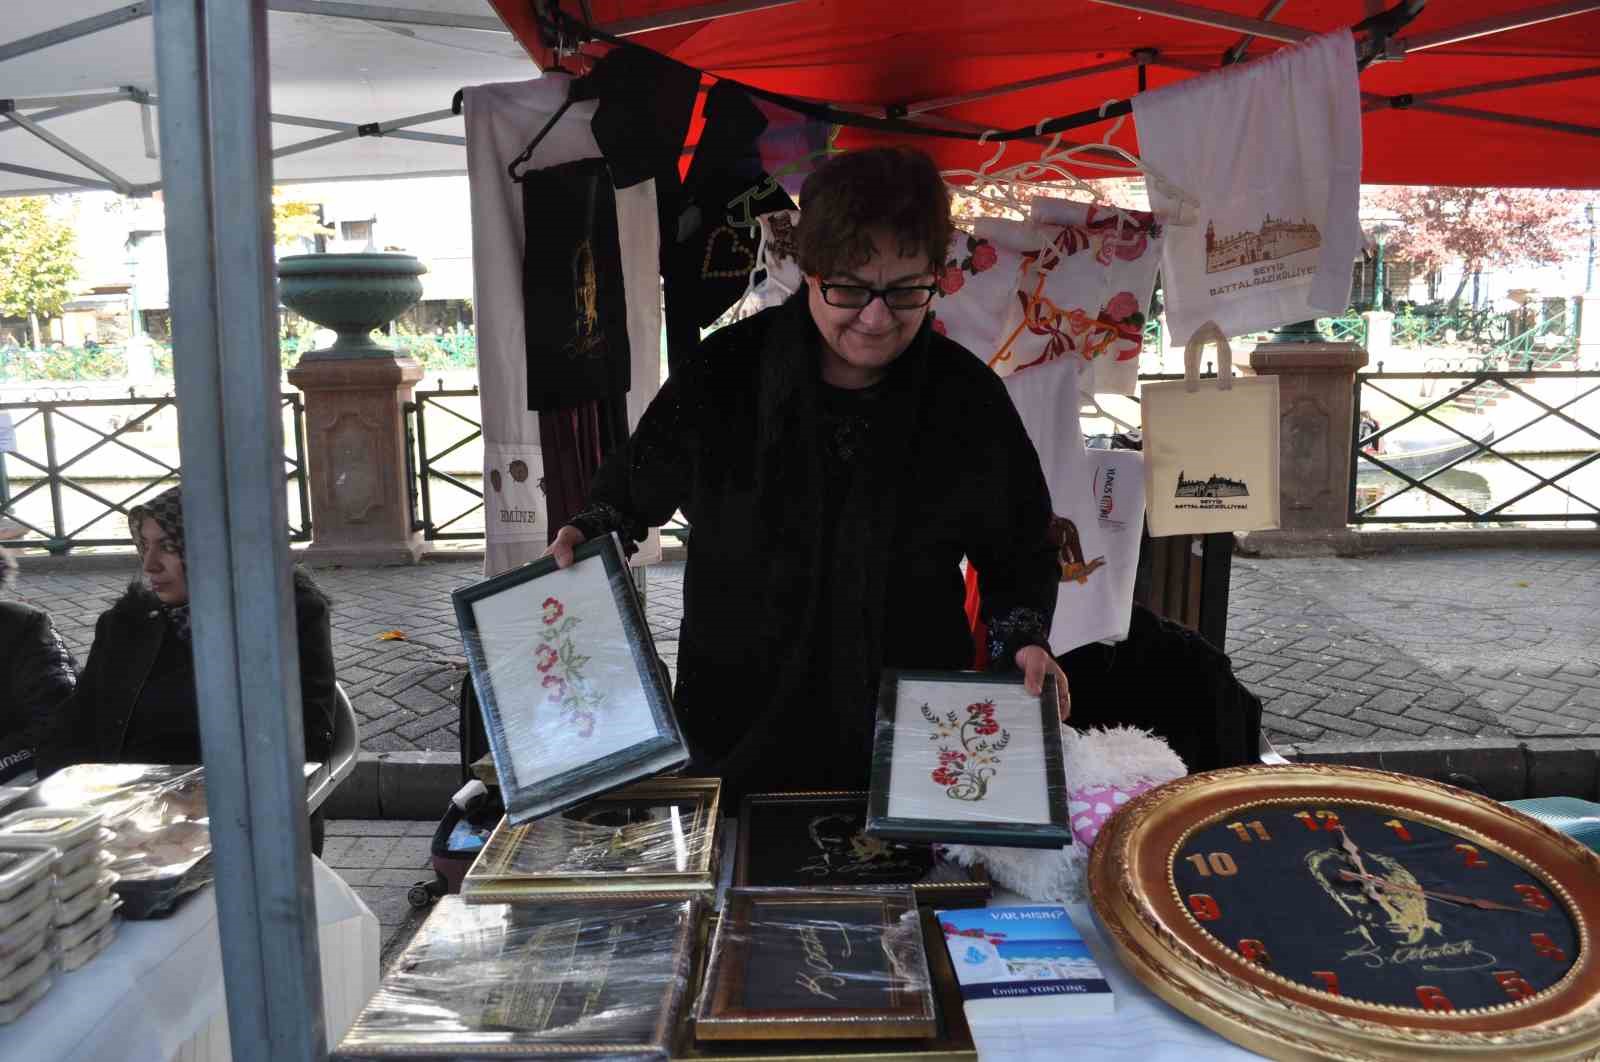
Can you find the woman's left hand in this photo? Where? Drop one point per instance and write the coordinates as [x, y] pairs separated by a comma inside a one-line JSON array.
[[1035, 663]]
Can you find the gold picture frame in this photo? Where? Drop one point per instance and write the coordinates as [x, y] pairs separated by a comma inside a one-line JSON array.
[[1140, 877], [653, 837]]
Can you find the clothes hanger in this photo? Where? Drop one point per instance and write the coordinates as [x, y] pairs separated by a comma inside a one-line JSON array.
[[1131, 166]]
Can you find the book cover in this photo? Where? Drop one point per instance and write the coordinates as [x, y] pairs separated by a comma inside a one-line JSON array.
[[1023, 963]]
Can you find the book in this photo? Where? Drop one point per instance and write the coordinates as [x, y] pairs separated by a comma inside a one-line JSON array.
[[1023, 965]]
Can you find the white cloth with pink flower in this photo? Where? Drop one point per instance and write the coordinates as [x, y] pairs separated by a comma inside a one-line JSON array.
[[975, 284], [1082, 293]]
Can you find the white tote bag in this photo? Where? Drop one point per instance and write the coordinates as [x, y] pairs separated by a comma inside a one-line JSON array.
[[1211, 451]]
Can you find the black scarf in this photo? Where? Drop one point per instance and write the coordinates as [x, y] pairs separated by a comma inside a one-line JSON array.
[[166, 509]]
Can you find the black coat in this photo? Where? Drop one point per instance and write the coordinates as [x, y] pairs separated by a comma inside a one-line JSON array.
[[36, 676], [776, 676], [92, 726]]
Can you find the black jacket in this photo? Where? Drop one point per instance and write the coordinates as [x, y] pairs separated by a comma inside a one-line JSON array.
[[787, 623], [93, 725], [36, 676]]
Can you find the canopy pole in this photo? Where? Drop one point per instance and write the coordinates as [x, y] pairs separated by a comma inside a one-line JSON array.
[[912, 110], [52, 175], [1498, 24], [211, 65], [73, 30], [81, 158], [1379, 102], [1205, 16]]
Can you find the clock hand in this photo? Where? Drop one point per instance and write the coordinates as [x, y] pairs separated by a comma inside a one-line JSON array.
[[1449, 897], [1354, 853]]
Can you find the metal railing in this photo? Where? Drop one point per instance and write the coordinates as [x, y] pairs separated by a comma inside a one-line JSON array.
[[74, 453], [1420, 471], [443, 517]]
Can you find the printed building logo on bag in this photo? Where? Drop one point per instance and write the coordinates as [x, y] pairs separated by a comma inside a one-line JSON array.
[[1213, 493], [1277, 238]]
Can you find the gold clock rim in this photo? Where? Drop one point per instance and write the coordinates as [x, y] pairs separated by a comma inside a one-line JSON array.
[[1288, 1020]]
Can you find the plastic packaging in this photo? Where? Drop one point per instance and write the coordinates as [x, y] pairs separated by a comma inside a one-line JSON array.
[[60, 828], [69, 886], [69, 911], [75, 958], [162, 846], [19, 870], [69, 936], [655, 836], [574, 698], [13, 1009], [25, 903], [23, 977], [87, 854], [807, 964], [19, 935], [589, 979], [967, 757], [34, 945]]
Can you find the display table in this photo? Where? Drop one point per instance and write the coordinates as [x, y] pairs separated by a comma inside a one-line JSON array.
[[156, 994]]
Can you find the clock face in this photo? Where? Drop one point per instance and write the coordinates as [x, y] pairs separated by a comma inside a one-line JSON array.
[[1374, 904]]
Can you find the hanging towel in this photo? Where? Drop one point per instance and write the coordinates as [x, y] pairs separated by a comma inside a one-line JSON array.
[[1272, 150], [500, 120], [1082, 293], [777, 273], [976, 285]]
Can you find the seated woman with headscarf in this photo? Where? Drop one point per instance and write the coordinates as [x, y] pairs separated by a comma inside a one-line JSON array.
[[136, 700]]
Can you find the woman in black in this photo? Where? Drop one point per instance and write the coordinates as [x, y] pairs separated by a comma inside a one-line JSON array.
[[36, 675], [135, 701]]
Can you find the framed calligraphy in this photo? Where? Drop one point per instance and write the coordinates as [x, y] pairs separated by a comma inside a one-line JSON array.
[[799, 964], [819, 839], [574, 698], [967, 757]]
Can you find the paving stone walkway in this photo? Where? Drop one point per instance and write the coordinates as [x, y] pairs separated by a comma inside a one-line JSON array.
[[1432, 645]]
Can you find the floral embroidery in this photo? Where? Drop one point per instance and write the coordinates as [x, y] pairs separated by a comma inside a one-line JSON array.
[[938, 325], [965, 772], [579, 702], [951, 280], [980, 256]]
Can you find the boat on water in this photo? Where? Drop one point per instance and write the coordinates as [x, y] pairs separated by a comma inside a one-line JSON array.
[[1421, 448]]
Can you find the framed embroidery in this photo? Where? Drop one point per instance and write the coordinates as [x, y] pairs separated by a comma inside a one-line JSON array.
[[574, 698], [967, 757], [819, 839], [656, 836], [797, 964]]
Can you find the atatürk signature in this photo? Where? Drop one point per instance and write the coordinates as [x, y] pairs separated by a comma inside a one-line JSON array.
[[821, 976], [1434, 958]]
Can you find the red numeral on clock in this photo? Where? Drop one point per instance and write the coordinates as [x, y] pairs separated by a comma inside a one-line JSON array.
[[1328, 820], [1399, 829], [1433, 999], [1547, 947], [1204, 907], [1329, 979], [1514, 985], [1470, 856], [1532, 897], [1255, 951]]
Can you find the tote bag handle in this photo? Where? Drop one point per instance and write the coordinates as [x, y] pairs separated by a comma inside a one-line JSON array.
[[1208, 333]]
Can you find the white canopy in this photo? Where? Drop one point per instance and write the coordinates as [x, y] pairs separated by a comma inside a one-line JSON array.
[[72, 96]]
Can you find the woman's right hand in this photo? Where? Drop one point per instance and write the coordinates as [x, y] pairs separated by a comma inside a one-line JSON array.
[[568, 539]]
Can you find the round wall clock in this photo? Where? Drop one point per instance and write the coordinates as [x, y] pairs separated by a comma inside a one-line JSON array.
[[1335, 912]]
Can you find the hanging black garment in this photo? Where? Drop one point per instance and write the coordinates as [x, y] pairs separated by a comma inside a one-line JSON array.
[[575, 441], [576, 312], [642, 121]]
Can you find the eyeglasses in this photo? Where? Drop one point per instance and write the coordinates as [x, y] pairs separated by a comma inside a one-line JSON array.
[[859, 297]]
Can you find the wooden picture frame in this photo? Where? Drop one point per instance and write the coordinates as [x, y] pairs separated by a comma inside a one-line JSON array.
[[825, 970], [818, 840], [573, 696], [658, 835], [975, 760]]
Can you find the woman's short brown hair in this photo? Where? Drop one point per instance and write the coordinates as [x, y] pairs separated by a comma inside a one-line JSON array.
[[844, 199]]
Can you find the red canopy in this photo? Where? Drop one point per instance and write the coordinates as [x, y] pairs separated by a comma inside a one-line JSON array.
[[1487, 103]]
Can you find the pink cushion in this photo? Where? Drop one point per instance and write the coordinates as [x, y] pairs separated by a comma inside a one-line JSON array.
[[1090, 808]]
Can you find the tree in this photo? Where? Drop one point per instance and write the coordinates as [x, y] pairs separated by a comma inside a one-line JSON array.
[[1479, 227], [38, 261], [295, 219]]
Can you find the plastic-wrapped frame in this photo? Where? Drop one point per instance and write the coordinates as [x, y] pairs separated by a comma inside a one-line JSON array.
[[62, 828], [817, 964], [574, 698], [654, 836], [162, 842], [22, 868], [967, 757], [75, 933], [25, 902], [818, 840], [584, 979], [81, 955], [19, 935], [13, 1009]]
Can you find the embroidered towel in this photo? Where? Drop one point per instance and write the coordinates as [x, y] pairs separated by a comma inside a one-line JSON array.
[[1272, 149], [975, 287]]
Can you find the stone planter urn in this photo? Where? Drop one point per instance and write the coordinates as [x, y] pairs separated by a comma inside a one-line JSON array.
[[356, 393], [353, 294]]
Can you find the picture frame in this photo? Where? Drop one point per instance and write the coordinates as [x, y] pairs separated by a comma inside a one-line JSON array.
[[574, 698], [818, 840], [967, 757], [579, 979], [817, 964], [655, 836]]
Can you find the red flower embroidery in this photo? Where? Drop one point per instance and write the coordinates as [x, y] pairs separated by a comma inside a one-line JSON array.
[[951, 279], [983, 708], [553, 610], [546, 657], [987, 727], [938, 326], [1122, 305], [948, 756], [984, 256], [944, 776], [557, 683]]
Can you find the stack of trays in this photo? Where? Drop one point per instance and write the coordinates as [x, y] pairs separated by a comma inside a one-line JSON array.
[[27, 909], [82, 902]]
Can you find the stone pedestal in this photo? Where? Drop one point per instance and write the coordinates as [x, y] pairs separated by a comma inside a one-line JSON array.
[[1588, 307], [1315, 396], [355, 445]]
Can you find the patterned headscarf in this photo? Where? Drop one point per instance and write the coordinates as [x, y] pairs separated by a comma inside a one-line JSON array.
[[166, 509]]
